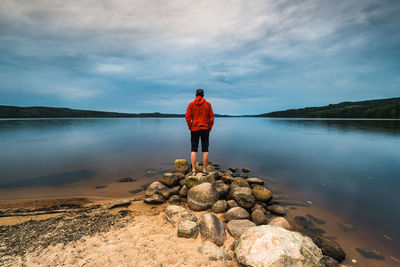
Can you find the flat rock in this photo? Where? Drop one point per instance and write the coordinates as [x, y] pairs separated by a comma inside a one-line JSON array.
[[236, 213], [219, 206], [329, 247], [169, 179], [174, 214], [274, 246], [154, 187], [181, 166], [187, 229], [237, 227], [258, 217], [254, 180], [277, 210], [154, 199], [119, 204], [262, 194], [281, 222], [243, 196], [202, 196], [213, 252], [211, 228]]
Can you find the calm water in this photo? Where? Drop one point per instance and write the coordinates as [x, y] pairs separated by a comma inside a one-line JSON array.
[[352, 166]]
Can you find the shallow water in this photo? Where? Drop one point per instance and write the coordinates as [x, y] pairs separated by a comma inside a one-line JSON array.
[[351, 167]]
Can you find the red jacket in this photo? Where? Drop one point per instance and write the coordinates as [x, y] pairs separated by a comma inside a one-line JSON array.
[[199, 115]]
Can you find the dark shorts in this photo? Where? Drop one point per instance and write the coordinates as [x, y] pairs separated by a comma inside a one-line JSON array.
[[195, 136]]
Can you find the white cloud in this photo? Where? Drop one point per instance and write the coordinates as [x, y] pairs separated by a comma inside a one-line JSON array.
[[71, 93]]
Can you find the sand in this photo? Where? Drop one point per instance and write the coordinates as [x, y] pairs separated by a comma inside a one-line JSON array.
[[142, 238]]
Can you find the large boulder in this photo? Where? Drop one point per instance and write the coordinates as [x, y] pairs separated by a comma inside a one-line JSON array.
[[181, 166], [169, 179], [174, 214], [261, 194], [243, 196], [237, 227], [211, 228], [267, 245], [236, 213], [202, 196], [154, 187]]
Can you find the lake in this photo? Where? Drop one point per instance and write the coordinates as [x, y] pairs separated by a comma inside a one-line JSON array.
[[349, 167]]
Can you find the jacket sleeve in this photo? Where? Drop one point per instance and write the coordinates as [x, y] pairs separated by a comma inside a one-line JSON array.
[[211, 118], [189, 116]]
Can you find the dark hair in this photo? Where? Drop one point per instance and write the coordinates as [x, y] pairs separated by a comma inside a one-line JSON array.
[[200, 92]]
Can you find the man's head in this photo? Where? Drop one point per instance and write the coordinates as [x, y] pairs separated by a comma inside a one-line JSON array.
[[200, 92]]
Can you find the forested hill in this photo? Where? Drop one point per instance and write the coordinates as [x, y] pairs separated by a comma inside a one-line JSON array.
[[49, 112], [380, 108]]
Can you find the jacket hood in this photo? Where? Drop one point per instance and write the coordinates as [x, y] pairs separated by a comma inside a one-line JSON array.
[[199, 100]]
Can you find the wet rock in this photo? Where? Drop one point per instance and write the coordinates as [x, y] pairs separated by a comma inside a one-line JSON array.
[[303, 221], [154, 199], [174, 214], [238, 182], [183, 191], [236, 213], [211, 228], [254, 180], [243, 196], [135, 191], [226, 172], [219, 206], [258, 217], [330, 262], [165, 193], [187, 229], [267, 245], [315, 219], [126, 180], [175, 199], [180, 176], [371, 254], [243, 175], [245, 170], [213, 252], [237, 227], [221, 188], [232, 204], [262, 194], [233, 169], [181, 166], [119, 204], [169, 179], [346, 227], [281, 222], [329, 247], [194, 180], [277, 210], [202, 196], [227, 179], [154, 187]]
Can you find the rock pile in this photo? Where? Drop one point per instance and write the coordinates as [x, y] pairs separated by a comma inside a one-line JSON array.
[[246, 207]]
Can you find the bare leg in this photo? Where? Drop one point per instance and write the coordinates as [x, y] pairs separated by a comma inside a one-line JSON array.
[[193, 159], [205, 161]]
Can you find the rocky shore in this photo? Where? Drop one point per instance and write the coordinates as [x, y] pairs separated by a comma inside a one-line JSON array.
[[244, 207], [226, 217]]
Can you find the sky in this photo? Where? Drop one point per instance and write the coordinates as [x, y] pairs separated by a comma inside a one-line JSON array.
[[250, 57]]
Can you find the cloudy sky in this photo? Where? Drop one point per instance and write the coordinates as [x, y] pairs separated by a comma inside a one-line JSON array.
[[150, 55]]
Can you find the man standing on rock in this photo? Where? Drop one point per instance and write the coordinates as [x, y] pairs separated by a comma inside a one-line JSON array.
[[200, 120]]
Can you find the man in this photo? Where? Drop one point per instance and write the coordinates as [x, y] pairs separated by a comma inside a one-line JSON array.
[[200, 120]]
